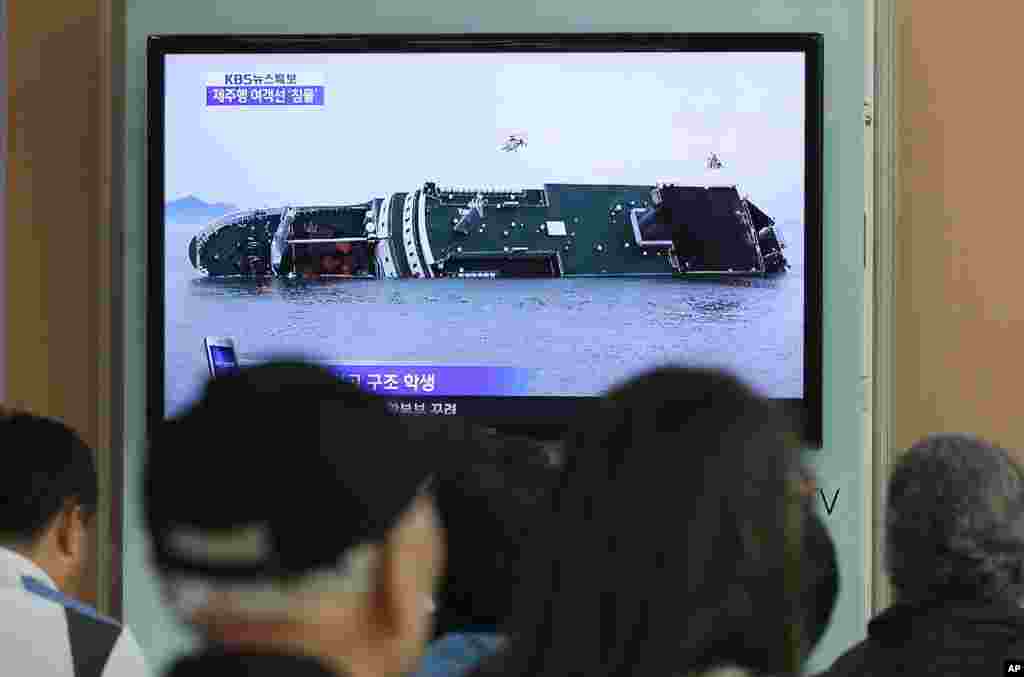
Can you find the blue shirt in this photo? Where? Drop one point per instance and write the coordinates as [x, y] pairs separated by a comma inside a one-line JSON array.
[[456, 653]]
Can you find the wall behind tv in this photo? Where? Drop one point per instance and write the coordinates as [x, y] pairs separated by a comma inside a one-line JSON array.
[[840, 464], [959, 317]]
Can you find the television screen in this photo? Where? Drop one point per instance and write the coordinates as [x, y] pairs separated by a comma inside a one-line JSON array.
[[500, 227]]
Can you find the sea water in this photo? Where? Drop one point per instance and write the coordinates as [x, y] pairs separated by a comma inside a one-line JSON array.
[[578, 335]]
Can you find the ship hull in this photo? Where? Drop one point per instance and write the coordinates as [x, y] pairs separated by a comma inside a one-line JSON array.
[[560, 230]]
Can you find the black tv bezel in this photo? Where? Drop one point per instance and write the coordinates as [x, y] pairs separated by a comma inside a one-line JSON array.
[[544, 417]]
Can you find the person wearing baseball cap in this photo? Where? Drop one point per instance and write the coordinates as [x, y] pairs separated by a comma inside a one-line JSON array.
[[293, 527]]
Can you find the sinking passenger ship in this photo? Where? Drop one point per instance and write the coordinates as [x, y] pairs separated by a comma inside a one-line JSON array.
[[560, 230]]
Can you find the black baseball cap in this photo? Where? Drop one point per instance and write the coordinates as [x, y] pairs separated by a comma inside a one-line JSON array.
[[278, 470]]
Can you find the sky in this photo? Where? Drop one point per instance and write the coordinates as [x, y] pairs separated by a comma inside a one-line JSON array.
[[391, 122]]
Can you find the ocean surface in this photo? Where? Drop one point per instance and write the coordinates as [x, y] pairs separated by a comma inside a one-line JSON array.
[[579, 335]]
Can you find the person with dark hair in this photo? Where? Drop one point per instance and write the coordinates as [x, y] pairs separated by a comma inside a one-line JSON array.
[[48, 501], [674, 543], [955, 556], [490, 502], [290, 549]]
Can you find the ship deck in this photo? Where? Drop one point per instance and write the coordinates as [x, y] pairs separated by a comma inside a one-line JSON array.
[[597, 238]]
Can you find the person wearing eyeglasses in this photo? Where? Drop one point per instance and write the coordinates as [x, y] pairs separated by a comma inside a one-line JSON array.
[[289, 552]]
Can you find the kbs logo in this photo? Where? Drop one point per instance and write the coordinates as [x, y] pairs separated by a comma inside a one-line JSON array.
[[264, 89], [266, 77], [248, 79]]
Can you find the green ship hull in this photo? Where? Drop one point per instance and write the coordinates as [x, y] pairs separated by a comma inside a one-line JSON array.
[[560, 230]]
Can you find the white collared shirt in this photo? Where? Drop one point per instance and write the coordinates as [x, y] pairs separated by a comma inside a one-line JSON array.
[[44, 633]]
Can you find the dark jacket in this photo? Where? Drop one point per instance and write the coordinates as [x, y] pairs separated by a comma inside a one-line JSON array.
[[948, 639]]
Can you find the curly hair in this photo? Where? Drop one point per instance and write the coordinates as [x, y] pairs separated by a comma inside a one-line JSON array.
[[955, 521]]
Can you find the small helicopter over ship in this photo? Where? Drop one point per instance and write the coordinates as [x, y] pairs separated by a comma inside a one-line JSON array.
[[513, 143]]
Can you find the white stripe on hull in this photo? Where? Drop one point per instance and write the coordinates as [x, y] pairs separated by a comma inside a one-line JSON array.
[[382, 251], [408, 239], [428, 253]]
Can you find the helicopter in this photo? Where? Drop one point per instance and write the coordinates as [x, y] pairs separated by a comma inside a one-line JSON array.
[[514, 142]]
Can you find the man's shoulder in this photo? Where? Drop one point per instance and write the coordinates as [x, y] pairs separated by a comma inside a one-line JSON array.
[[99, 644], [74, 607]]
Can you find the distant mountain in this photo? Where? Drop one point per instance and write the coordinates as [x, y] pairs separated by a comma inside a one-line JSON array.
[[193, 211]]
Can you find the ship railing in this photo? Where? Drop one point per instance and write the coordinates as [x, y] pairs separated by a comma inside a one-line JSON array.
[[313, 208], [748, 222], [683, 183], [473, 191], [228, 219], [331, 240], [501, 196]]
